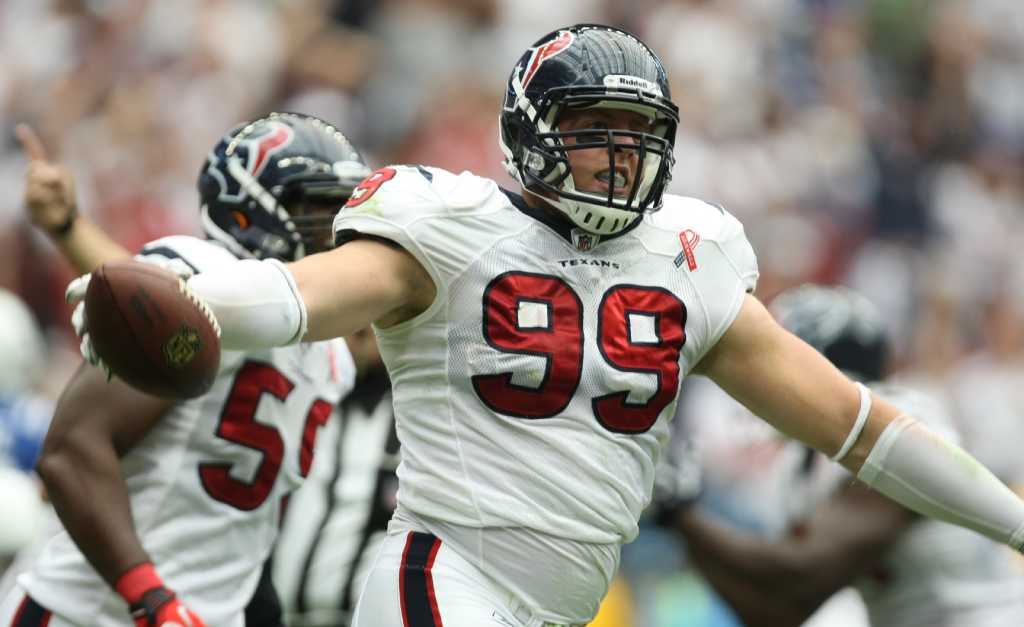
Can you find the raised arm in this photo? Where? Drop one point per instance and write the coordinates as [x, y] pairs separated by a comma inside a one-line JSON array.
[[52, 207], [793, 387]]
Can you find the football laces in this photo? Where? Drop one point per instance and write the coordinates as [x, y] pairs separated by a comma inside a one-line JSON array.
[[200, 303]]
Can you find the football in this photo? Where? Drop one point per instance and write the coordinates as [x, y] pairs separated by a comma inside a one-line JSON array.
[[145, 326]]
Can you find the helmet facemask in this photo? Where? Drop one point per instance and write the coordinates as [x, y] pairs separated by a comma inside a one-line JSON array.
[[537, 150], [597, 212]]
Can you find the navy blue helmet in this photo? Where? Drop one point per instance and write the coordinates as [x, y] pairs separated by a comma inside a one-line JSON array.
[[270, 187], [840, 323], [579, 67]]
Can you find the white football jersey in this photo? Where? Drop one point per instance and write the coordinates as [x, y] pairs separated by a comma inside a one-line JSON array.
[[535, 393], [206, 483]]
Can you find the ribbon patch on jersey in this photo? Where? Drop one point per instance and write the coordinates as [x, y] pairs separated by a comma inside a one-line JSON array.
[[688, 239]]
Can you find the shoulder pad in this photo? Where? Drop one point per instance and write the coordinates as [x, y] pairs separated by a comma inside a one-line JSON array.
[[403, 194], [708, 229], [710, 222]]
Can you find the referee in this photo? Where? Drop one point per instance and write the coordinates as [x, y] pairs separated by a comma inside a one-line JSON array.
[[334, 523]]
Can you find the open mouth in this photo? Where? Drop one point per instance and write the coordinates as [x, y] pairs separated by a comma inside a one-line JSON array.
[[617, 180]]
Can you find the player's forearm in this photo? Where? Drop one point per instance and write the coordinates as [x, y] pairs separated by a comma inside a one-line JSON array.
[[93, 424], [86, 246], [262, 304], [256, 303], [929, 475], [796, 389], [753, 607], [921, 470], [84, 483]]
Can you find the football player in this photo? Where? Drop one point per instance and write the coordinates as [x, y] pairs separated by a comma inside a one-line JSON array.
[[910, 571], [171, 508], [536, 342], [332, 528]]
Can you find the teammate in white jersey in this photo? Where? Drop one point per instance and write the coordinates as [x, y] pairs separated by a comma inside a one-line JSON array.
[[170, 509], [911, 572], [536, 346]]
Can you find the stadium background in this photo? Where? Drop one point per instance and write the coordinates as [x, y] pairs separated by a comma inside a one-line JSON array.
[[878, 143]]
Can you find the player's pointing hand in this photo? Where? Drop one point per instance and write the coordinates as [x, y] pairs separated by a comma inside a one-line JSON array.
[[49, 187]]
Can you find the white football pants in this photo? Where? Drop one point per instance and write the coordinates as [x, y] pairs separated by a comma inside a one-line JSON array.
[[418, 581]]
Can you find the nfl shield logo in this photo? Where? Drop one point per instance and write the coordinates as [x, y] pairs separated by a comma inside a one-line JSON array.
[[182, 347], [584, 241]]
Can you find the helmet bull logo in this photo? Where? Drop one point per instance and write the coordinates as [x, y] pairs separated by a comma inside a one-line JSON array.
[[267, 145], [545, 52]]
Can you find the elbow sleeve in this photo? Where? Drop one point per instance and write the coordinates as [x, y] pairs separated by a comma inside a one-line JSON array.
[[920, 470], [256, 303]]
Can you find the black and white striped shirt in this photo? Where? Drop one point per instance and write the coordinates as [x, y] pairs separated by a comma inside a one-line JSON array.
[[333, 525]]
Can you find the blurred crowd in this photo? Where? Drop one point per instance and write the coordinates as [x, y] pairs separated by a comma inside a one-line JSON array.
[[877, 143]]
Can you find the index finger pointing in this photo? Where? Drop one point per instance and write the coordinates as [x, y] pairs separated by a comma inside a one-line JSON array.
[[30, 142]]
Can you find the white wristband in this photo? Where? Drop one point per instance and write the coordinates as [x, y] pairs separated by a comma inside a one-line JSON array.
[[858, 425]]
